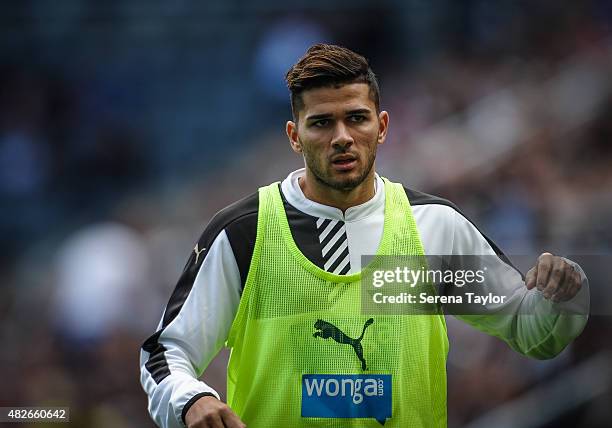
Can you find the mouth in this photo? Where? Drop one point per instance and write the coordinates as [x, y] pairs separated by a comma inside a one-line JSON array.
[[344, 162]]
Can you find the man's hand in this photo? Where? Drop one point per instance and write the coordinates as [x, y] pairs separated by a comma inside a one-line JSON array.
[[554, 277], [208, 412]]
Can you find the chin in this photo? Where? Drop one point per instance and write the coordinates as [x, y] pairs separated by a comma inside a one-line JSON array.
[[346, 182]]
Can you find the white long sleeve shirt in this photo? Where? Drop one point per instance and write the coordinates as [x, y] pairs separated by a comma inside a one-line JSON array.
[[197, 320]]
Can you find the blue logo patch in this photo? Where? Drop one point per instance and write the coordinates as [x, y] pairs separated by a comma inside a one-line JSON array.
[[347, 396]]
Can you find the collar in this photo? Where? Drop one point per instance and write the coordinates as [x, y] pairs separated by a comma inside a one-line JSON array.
[[292, 191]]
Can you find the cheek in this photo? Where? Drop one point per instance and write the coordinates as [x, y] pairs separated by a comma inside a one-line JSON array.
[[367, 133], [317, 137], [314, 144], [367, 142]]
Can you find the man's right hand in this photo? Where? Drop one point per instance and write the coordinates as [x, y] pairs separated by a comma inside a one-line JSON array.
[[208, 412]]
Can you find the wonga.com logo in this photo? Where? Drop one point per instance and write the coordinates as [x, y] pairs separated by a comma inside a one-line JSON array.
[[347, 396]]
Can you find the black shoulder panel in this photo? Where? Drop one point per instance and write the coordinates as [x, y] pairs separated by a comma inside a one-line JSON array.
[[420, 198], [242, 230], [244, 210]]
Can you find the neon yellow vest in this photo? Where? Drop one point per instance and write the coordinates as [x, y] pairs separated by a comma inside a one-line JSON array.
[[288, 370]]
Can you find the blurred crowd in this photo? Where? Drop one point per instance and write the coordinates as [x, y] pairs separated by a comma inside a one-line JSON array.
[[111, 164]]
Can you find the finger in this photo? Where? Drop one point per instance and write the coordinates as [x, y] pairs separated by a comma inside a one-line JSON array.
[[578, 279], [565, 288], [577, 283], [530, 278], [231, 420], [574, 286], [556, 279], [544, 267]]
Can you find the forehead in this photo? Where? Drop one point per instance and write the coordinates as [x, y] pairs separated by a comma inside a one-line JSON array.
[[350, 96]]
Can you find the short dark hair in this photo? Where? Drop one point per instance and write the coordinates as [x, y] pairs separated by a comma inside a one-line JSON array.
[[329, 65]]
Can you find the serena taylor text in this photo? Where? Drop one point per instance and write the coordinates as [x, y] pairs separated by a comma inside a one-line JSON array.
[[427, 298]]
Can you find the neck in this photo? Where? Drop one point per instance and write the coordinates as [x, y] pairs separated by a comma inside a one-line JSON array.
[[321, 193]]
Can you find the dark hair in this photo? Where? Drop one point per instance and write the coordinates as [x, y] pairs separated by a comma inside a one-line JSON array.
[[329, 65]]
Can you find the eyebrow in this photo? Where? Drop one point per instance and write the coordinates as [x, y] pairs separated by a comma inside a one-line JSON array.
[[319, 116], [359, 111], [348, 113]]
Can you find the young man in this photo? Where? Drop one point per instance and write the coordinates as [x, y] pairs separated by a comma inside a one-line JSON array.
[[276, 276]]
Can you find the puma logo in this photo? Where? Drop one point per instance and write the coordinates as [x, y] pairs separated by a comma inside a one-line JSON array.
[[198, 252], [328, 330]]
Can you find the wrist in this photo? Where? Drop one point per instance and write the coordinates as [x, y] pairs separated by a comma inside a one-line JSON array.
[[192, 401]]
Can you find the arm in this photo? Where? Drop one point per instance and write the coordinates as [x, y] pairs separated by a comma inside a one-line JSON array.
[[193, 329], [529, 321]]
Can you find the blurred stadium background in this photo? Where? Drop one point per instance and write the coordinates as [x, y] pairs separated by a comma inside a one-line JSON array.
[[125, 125]]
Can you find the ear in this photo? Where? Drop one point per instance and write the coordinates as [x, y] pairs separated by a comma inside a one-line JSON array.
[[383, 126], [292, 133]]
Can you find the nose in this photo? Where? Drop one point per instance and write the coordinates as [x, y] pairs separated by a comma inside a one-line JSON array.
[[342, 138]]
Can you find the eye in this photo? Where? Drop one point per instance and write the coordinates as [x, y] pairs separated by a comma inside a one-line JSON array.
[[321, 123], [357, 118]]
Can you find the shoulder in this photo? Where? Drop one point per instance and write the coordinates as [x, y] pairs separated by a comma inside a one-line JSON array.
[[439, 212], [431, 208], [417, 198], [236, 213], [239, 221], [440, 208]]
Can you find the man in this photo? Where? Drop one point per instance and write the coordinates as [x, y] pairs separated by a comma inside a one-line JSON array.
[[276, 276]]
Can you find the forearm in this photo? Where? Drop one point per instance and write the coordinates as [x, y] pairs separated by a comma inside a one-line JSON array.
[[531, 324], [192, 331]]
